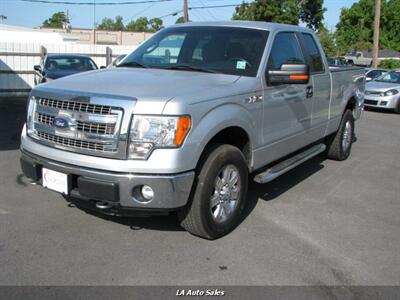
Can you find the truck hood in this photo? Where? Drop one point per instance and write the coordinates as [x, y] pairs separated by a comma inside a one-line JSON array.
[[144, 84], [381, 86]]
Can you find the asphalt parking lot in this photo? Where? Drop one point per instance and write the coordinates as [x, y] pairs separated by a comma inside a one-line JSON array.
[[323, 223]]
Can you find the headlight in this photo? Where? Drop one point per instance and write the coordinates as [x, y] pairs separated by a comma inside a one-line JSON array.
[[390, 93], [150, 132], [30, 114]]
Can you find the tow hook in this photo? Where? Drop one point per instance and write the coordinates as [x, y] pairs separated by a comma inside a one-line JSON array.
[[103, 205]]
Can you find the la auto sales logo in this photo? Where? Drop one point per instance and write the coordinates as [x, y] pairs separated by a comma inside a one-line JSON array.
[[209, 292]]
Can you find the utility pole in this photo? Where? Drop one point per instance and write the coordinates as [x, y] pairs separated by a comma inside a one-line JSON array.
[[375, 50], [67, 24], [185, 11], [94, 22], [2, 18]]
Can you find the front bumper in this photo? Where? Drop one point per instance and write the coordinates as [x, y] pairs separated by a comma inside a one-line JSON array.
[[118, 190], [387, 102]]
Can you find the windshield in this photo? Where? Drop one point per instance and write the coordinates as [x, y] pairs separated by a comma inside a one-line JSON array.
[[227, 50], [391, 77], [68, 63]]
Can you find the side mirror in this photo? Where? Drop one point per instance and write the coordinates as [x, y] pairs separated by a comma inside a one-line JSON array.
[[289, 74], [368, 78], [37, 68]]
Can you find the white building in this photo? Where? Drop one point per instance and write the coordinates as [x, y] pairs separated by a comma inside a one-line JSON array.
[[16, 34]]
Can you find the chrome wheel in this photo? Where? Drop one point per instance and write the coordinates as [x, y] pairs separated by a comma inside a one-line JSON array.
[[226, 192], [347, 136]]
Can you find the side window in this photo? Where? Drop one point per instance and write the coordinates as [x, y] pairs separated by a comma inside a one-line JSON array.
[[285, 50], [317, 64], [373, 74]]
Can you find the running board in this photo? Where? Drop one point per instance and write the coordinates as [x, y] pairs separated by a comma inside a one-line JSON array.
[[286, 165]]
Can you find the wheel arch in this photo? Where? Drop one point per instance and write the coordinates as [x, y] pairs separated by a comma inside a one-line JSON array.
[[236, 128]]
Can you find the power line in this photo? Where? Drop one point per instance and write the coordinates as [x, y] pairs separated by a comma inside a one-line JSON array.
[[198, 7], [208, 11], [213, 6], [98, 3], [142, 11]]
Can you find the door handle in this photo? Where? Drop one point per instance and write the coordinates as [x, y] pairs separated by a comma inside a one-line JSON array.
[[309, 91]]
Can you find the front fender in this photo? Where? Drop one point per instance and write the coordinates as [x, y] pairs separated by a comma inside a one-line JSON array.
[[218, 119]]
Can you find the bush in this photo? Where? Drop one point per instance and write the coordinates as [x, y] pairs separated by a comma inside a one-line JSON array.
[[390, 64]]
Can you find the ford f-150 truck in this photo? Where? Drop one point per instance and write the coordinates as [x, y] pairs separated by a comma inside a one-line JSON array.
[[185, 118]]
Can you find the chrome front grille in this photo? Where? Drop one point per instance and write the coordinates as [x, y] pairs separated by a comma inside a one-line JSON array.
[[96, 127], [87, 127], [45, 119], [75, 106], [77, 144], [372, 93], [91, 127]]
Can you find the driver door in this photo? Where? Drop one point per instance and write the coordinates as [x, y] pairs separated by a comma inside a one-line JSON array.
[[287, 108]]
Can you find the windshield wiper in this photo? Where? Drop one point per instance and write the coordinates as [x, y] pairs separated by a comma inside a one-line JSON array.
[[133, 64], [189, 68]]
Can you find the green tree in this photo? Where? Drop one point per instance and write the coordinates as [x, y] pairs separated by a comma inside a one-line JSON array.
[[390, 24], [140, 25], [57, 20], [327, 40], [155, 24], [277, 11], [110, 24], [106, 24], [180, 20], [356, 26], [389, 64], [312, 13], [118, 24]]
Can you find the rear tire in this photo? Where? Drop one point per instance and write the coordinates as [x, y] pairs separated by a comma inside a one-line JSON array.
[[339, 144], [218, 195]]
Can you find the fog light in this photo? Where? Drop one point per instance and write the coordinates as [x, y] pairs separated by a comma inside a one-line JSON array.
[[383, 103], [147, 192]]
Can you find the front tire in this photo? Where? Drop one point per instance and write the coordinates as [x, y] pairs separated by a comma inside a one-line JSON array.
[[397, 109], [339, 145], [219, 194]]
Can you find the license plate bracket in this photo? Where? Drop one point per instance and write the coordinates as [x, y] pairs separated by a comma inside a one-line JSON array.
[[56, 181]]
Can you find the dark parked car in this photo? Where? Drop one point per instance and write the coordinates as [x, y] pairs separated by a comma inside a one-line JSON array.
[[59, 65]]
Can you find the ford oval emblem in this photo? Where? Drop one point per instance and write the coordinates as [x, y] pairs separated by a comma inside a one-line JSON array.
[[60, 123]]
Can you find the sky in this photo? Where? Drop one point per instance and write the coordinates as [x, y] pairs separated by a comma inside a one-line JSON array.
[[27, 14]]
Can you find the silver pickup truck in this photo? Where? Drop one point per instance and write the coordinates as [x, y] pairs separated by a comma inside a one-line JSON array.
[[185, 118]]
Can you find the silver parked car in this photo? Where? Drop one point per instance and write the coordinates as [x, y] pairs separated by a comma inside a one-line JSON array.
[[383, 92]]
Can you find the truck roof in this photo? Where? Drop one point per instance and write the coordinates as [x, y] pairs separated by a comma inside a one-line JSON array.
[[247, 24]]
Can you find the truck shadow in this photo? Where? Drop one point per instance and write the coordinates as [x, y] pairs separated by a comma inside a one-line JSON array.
[[272, 190], [12, 119], [168, 222], [379, 110], [267, 192]]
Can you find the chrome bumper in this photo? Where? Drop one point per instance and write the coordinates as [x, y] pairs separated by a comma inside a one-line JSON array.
[[170, 191]]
